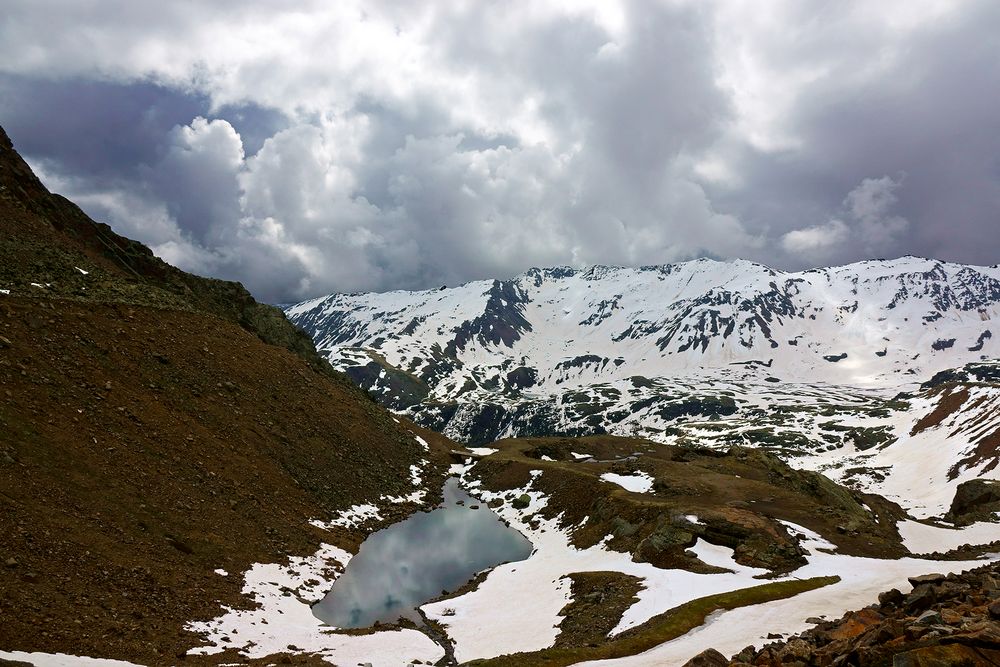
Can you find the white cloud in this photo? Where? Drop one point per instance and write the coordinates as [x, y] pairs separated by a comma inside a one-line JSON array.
[[869, 223], [431, 143], [818, 239]]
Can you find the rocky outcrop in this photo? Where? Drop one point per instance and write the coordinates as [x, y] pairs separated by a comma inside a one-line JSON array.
[[975, 500]]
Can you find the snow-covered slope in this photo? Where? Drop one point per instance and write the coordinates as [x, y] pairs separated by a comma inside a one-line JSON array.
[[823, 366], [873, 323]]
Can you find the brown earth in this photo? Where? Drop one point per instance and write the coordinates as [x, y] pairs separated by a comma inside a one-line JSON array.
[[155, 426]]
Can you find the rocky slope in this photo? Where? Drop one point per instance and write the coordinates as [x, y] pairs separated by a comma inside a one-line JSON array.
[[156, 427], [944, 620]]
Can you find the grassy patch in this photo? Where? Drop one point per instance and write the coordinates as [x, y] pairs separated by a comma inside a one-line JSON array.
[[662, 628]]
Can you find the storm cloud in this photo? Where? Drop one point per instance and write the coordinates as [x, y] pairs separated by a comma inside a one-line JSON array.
[[384, 145]]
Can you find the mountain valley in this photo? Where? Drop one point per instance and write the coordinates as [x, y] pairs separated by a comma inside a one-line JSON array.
[[705, 457]]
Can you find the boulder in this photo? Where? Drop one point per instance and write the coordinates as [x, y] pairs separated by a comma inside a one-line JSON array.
[[930, 617], [974, 500], [947, 655], [921, 598], [708, 658]]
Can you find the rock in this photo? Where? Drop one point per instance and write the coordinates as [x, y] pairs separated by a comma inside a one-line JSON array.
[[815, 620], [930, 617], [796, 650], [11, 562], [921, 598], [974, 499], [947, 655], [708, 658], [994, 609], [951, 617], [926, 579], [521, 502], [5, 342], [984, 634], [915, 632], [891, 598]]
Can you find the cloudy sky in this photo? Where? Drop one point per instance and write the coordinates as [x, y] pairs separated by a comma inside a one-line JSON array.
[[312, 146]]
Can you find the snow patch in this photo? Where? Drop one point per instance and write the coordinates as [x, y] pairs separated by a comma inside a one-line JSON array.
[[62, 660], [284, 619], [921, 538], [861, 580], [638, 483]]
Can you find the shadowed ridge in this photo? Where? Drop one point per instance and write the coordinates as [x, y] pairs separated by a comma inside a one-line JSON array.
[[52, 220]]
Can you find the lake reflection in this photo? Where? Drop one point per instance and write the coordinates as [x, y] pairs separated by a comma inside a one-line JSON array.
[[409, 563]]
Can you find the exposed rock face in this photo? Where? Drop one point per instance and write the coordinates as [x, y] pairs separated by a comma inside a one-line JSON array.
[[975, 500], [945, 620]]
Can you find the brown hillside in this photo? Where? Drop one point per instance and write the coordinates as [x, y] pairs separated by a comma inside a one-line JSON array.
[[150, 433]]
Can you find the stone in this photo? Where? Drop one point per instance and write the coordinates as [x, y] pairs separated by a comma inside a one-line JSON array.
[[708, 658], [994, 610], [943, 655], [975, 497], [11, 562], [985, 634], [796, 650], [926, 579], [891, 598], [921, 598], [930, 617], [521, 502]]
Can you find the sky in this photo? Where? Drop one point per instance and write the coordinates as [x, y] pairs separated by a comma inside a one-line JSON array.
[[311, 147]]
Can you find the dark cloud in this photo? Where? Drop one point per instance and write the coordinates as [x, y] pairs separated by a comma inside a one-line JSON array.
[[406, 145], [98, 128]]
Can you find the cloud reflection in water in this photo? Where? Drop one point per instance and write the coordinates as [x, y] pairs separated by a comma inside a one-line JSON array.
[[403, 566]]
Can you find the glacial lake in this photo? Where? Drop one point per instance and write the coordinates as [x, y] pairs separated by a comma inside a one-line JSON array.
[[411, 562]]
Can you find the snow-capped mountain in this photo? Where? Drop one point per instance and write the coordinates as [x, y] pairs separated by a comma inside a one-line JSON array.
[[823, 366], [633, 350], [872, 323]]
